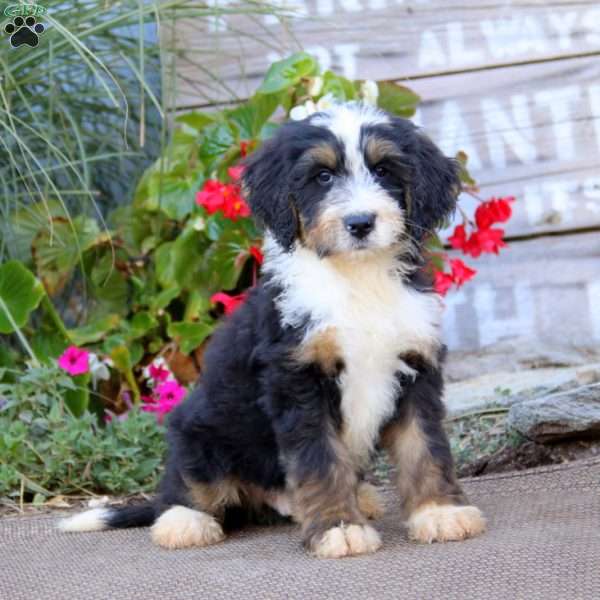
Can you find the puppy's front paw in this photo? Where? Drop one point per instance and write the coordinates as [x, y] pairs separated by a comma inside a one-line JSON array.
[[445, 523], [346, 540]]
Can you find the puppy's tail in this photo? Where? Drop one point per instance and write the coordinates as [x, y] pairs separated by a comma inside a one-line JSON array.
[[97, 519]]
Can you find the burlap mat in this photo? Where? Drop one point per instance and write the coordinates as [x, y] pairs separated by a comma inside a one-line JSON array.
[[543, 542]]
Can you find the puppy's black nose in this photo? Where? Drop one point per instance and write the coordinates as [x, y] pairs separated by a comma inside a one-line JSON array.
[[360, 225]]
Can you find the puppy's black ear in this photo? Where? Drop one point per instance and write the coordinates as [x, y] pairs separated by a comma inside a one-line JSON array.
[[435, 187], [265, 184]]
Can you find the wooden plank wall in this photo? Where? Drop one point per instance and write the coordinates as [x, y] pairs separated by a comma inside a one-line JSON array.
[[515, 84]]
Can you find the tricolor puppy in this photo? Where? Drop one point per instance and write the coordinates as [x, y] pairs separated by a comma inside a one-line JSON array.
[[335, 353]]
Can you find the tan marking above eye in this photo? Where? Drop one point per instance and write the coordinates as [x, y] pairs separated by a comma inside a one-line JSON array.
[[323, 154], [378, 149]]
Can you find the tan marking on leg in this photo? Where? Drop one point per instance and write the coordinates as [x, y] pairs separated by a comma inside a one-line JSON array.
[[327, 507], [432, 500], [444, 523], [369, 501], [181, 527], [214, 497], [321, 348]]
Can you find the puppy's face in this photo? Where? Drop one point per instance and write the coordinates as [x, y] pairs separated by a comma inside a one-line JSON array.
[[350, 180]]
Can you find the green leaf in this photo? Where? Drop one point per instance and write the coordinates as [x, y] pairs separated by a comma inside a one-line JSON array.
[[189, 335], [78, 399], [20, 295], [397, 99], [164, 298], [142, 323], [341, 88], [196, 120], [288, 72], [251, 116], [464, 174], [94, 331], [59, 247]]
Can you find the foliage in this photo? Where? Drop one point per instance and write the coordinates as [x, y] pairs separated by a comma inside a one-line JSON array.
[[82, 114], [45, 449], [151, 276], [147, 286]]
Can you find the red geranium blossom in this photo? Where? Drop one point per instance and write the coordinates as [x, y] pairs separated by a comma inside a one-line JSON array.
[[458, 239], [257, 254], [461, 273], [496, 210], [230, 303], [235, 172], [244, 146], [442, 282], [215, 196]]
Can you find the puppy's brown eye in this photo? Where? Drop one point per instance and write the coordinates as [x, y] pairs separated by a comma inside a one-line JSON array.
[[325, 177], [380, 171]]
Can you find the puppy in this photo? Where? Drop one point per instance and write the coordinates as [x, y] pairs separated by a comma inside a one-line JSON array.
[[336, 352]]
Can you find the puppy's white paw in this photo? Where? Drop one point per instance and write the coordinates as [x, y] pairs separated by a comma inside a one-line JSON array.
[[347, 540], [181, 527], [369, 501], [445, 523]]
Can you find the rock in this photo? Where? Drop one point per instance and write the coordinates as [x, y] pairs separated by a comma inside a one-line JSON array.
[[565, 415], [514, 356], [506, 388]]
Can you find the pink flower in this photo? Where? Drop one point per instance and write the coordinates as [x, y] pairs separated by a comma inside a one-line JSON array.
[[170, 392], [166, 397], [158, 372], [74, 361], [236, 172]]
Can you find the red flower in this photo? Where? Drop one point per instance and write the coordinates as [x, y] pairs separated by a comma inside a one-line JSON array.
[[257, 254], [230, 303], [442, 282], [458, 238], [490, 240], [461, 273], [235, 172], [244, 146], [211, 196], [216, 196], [235, 207], [496, 210]]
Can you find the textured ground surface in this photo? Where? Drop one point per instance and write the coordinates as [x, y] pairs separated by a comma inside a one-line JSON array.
[[543, 542]]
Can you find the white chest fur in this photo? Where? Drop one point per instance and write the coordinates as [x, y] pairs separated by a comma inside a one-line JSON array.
[[375, 317]]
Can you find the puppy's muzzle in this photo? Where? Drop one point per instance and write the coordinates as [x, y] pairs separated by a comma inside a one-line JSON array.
[[360, 225]]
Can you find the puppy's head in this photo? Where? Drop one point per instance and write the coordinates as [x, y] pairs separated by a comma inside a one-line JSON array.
[[350, 180]]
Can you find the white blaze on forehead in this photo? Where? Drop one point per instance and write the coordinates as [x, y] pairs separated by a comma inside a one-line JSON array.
[[345, 122]]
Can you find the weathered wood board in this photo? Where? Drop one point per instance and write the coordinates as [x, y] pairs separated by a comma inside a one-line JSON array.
[[383, 39], [514, 83], [530, 131], [545, 290]]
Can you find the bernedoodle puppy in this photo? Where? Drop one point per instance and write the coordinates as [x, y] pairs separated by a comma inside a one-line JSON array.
[[335, 353]]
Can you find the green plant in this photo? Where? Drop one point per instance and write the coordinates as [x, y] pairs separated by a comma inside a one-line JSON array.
[[45, 449], [150, 277]]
